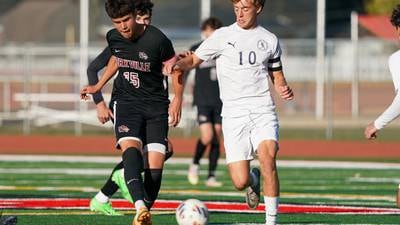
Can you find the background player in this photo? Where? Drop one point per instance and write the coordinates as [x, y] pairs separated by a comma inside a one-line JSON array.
[[140, 98], [245, 54], [206, 98], [393, 111], [100, 203]]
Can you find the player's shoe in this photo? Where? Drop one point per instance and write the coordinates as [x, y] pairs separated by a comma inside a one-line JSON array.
[[119, 179], [212, 182], [193, 174], [104, 208], [8, 220], [253, 192], [142, 217]]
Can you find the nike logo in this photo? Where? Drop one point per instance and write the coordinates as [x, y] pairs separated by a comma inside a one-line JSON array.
[[116, 50], [233, 44]]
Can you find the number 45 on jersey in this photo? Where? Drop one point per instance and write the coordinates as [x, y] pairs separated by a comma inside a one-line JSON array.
[[133, 78]]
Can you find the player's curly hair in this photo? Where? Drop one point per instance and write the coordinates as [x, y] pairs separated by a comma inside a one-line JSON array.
[[144, 7], [211, 22], [119, 8], [255, 2], [395, 18]]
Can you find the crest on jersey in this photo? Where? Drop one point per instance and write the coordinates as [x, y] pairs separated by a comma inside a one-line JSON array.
[[143, 55], [262, 45], [123, 129]]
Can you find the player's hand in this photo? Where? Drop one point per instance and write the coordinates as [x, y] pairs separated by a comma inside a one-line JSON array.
[[85, 91], [285, 92], [175, 110], [370, 131], [104, 114], [184, 54]]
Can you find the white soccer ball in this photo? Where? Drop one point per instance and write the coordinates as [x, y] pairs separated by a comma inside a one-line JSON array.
[[192, 212]]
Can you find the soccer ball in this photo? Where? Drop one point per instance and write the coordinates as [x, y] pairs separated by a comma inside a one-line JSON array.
[[192, 212]]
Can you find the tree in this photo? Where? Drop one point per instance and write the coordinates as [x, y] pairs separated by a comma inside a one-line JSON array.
[[380, 7]]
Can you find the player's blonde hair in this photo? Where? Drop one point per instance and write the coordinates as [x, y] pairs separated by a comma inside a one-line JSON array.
[[257, 3]]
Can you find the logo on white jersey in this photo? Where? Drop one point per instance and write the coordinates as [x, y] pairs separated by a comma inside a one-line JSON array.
[[262, 45], [232, 44]]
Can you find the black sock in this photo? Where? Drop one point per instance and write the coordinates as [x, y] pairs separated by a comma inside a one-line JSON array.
[[133, 164], [110, 188], [213, 157], [152, 184], [200, 148]]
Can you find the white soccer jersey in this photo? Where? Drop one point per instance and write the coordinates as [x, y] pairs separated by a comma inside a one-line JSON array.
[[243, 58], [393, 111]]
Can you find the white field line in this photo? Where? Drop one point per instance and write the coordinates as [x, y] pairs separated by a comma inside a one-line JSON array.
[[186, 161], [374, 180], [351, 197], [86, 171]]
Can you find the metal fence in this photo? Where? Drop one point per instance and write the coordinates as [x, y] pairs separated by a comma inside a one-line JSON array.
[[39, 85]]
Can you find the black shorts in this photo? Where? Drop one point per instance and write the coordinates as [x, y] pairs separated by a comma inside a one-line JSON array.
[[209, 114], [149, 128]]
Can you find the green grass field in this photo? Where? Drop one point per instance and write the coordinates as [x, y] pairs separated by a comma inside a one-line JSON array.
[[300, 185]]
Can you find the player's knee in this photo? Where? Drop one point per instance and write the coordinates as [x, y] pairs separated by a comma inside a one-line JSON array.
[[240, 184], [206, 139]]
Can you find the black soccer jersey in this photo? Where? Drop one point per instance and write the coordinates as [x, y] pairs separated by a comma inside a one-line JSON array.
[[140, 78], [206, 90]]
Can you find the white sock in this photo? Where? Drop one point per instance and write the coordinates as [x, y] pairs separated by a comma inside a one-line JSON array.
[[139, 204], [102, 197], [253, 179], [271, 210]]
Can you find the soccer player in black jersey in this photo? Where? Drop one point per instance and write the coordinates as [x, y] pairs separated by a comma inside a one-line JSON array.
[[142, 111], [100, 203], [206, 98]]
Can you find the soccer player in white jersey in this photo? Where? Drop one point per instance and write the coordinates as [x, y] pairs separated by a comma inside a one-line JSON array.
[[393, 111], [246, 55]]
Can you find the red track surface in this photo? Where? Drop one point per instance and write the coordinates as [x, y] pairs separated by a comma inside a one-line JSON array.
[[172, 205], [104, 145]]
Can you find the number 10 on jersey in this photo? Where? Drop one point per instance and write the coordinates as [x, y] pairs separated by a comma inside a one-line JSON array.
[[251, 58], [133, 78]]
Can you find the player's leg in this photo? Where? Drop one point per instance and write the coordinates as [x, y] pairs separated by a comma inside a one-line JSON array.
[[267, 151], [239, 152], [155, 149], [100, 203], [265, 137], [128, 126], [206, 135], [215, 147], [214, 156]]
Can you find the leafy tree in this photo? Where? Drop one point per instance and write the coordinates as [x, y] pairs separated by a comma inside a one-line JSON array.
[[380, 7]]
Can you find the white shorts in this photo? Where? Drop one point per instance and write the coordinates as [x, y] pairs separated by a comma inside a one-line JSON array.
[[242, 135]]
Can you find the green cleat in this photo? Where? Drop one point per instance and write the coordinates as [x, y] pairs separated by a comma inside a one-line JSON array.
[[118, 178], [104, 208]]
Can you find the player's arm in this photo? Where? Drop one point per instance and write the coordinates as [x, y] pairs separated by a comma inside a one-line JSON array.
[[187, 63], [280, 84], [393, 111], [175, 109], [111, 69], [390, 114], [103, 112]]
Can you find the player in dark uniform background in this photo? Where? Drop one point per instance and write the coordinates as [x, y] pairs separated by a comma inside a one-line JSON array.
[[206, 98], [142, 111], [100, 203]]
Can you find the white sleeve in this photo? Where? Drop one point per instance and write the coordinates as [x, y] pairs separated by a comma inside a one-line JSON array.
[[393, 111], [275, 63], [210, 48]]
